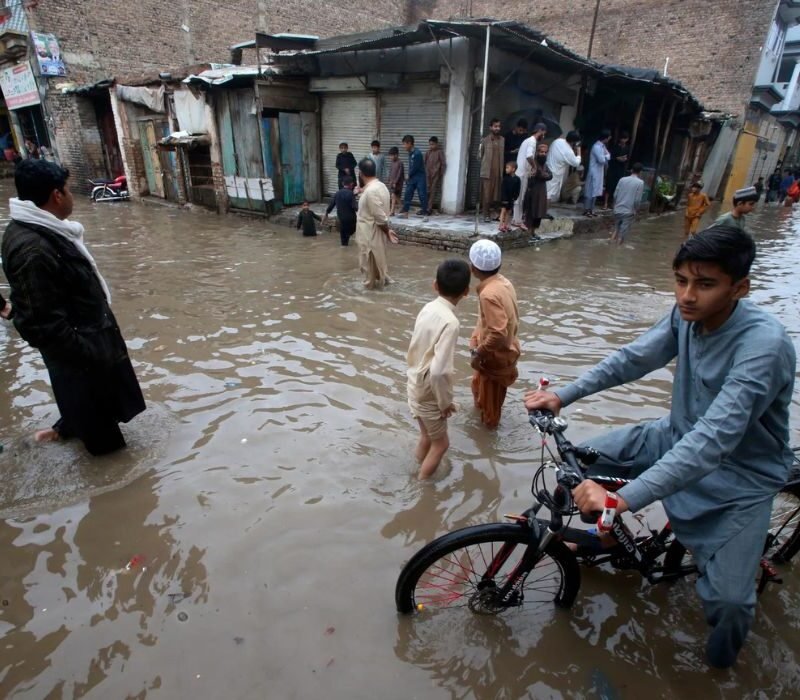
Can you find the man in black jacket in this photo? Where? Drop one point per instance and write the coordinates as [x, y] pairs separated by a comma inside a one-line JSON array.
[[61, 306]]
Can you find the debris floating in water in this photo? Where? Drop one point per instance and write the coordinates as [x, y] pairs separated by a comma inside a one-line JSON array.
[[134, 562]]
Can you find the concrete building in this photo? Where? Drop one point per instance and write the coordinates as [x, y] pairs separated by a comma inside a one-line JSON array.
[[729, 54], [428, 80]]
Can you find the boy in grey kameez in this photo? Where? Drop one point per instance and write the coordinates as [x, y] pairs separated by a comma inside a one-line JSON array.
[[722, 454]]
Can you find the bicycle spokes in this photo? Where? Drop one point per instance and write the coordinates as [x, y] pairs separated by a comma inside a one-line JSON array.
[[488, 577]]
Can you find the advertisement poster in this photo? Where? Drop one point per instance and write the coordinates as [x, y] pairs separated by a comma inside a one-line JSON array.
[[48, 53], [19, 86]]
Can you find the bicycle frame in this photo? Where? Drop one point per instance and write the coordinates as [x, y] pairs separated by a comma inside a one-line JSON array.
[[629, 552]]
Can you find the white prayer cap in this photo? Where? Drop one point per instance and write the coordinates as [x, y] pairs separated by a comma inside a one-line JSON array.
[[485, 255]]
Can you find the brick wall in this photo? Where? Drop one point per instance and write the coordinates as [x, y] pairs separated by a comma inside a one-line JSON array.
[[713, 47], [101, 40], [325, 19]]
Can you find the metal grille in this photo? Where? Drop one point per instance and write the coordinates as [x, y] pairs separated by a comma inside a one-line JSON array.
[[419, 109], [350, 118]]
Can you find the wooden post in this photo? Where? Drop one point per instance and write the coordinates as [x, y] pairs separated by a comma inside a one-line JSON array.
[[666, 135], [636, 119], [658, 132], [660, 151]]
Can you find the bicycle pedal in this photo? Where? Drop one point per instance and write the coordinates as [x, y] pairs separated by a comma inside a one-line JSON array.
[[771, 572]]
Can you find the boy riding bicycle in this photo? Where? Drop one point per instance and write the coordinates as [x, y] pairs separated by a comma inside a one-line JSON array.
[[717, 460]]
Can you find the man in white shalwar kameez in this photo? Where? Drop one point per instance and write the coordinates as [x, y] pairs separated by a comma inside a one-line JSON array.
[[561, 157], [372, 227]]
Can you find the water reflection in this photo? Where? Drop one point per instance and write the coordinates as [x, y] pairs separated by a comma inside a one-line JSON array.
[[106, 566]]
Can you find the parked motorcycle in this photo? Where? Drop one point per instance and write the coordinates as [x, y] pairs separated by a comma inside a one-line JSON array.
[[110, 190]]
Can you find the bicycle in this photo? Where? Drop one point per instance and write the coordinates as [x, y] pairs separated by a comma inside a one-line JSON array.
[[495, 567]]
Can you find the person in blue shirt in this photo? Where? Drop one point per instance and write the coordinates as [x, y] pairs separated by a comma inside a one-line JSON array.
[[416, 179], [720, 456]]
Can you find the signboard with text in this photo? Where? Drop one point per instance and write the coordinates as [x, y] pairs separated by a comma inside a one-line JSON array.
[[48, 53], [19, 86]]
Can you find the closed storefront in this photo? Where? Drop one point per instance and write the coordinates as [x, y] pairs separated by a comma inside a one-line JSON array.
[[418, 108], [350, 118]]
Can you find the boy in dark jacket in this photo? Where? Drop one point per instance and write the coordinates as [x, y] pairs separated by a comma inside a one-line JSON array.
[[345, 163], [509, 193], [346, 208], [307, 219]]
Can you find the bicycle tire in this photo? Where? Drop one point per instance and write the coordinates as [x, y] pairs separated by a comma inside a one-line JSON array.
[[446, 593], [783, 539]]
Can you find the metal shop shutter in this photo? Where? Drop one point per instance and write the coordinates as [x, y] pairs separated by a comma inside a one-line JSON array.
[[347, 117], [419, 109]]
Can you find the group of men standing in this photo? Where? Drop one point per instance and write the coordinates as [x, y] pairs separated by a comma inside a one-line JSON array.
[[546, 168]]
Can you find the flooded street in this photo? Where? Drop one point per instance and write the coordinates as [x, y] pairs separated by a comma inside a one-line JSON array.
[[247, 543]]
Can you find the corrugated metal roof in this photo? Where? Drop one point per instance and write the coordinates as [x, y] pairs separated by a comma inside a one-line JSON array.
[[514, 37], [17, 20]]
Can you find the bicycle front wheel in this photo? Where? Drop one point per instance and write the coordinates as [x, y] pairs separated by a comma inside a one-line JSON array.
[[471, 567]]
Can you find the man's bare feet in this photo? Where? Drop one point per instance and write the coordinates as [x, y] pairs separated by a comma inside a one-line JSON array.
[[48, 435]]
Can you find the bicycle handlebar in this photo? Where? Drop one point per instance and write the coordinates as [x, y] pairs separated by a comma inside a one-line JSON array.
[[572, 473]]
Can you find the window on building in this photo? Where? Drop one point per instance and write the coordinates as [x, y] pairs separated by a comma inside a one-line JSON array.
[[786, 69]]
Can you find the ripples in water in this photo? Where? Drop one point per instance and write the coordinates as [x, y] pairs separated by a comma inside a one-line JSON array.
[[268, 496]]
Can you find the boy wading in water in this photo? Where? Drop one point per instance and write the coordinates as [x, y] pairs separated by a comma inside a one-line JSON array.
[[494, 344], [744, 201], [430, 364], [307, 220], [720, 456], [697, 202], [346, 209]]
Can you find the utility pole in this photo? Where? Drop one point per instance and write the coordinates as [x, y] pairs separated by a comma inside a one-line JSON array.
[[594, 27]]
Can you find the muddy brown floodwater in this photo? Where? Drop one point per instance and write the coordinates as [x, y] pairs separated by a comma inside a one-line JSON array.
[[247, 543]]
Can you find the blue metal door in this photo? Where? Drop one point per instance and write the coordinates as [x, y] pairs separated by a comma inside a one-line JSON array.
[[291, 138]]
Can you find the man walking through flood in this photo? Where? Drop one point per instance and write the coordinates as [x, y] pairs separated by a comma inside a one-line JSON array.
[[62, 307], [372, 227]]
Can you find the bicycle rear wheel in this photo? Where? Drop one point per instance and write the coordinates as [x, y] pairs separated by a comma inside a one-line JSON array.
[[469, 568], [783, 538]]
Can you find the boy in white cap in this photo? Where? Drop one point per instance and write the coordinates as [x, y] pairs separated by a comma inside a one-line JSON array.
[[744, 201], [430, 364], [494, 344]]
